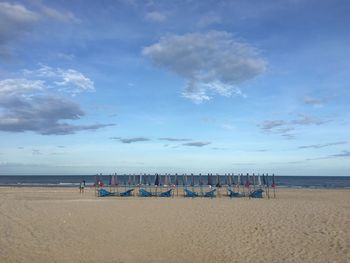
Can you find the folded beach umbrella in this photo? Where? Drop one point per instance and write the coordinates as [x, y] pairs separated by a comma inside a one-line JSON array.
[[192, 180], [259, 180], [166, 181], [112, 180], [268, 185], [169, 180], [140, 179], [267, 179], [226, 180], [273, 185], [209, 180], [233, 179], [229, 181], [176, 180], [247, 183], [200, 180], [264, 179], [184, 179], [157, 181], [116, 179], [218, 184]]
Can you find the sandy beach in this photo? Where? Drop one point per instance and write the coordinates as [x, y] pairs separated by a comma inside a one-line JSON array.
[[61, 225]]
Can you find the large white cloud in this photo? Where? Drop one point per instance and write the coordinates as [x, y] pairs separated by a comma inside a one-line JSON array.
[[32, 105], [213, 62]]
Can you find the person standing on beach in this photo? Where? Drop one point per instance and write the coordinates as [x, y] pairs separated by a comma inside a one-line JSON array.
[[82, 186]]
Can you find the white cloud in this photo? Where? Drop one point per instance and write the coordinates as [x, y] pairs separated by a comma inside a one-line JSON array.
[[271, 124], [17, 20], [318, 146], [211, 63], [43, 114], [131, 140], [77, 80], [171, 139], [307, 120], [155, 17], [285, 127], [15, 86], [16, 13], [69, 80], [32, 105]]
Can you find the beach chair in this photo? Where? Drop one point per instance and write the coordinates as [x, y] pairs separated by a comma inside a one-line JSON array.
[[256, 193], [210, 194], [104, 193], [189, 193], [234, 194], [126, 193], [166, 193], [144, 193]]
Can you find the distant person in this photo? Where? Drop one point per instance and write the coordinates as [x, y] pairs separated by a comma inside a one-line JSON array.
[[82, 186]]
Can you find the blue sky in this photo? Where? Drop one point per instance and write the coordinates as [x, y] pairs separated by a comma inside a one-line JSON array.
[[174, 86]]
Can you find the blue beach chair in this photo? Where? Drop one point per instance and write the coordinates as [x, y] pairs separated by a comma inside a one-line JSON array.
[[210, 194], [189, 193], [256, 193], [144, 193], [166, 193], [104, 193], [126, 193], [234, 194]]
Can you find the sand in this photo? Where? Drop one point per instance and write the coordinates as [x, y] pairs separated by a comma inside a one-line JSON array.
[[61, 225]]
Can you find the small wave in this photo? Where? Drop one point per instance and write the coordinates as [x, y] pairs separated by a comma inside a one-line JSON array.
[[68, 184]]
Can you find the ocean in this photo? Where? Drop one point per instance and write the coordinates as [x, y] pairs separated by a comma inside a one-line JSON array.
[[74, 180]]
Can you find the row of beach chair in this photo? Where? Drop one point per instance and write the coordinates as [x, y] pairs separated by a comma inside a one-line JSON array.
[[258, 193]]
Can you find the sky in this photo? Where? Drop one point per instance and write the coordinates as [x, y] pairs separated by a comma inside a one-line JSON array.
[[131, 86]]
